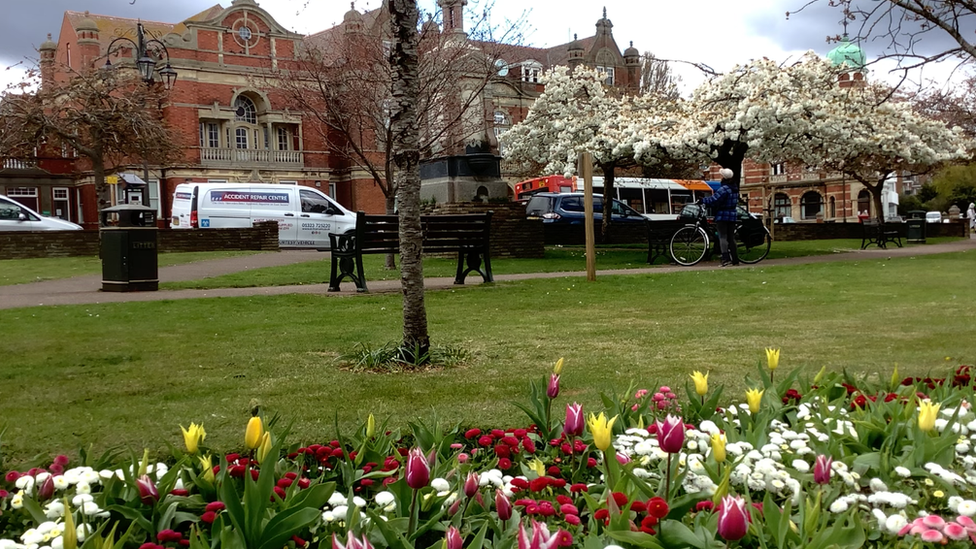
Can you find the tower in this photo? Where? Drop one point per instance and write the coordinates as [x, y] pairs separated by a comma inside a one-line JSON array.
[[453, 13]]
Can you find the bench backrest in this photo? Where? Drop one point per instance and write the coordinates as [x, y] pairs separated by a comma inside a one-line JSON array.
[[441, 233]]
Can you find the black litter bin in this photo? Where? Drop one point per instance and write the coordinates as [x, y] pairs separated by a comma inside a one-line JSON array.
[[915, 229], [128, 249]]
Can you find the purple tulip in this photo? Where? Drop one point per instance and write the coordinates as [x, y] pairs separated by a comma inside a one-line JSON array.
[[671, 434], [553, 390], [453, 538], [821, 469], [147, 490], [418, 469], [733, 518], [502, 505], [46, 489], [471, 484], [574, 420]]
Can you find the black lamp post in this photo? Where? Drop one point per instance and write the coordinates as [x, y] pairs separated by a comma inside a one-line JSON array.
[[147, 71]]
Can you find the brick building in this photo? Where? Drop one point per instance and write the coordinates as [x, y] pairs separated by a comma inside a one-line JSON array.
[[237, 129]]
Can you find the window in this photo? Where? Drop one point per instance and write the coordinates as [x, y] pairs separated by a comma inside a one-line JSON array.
[[244, 110], [531, 71], [284, 139], [864, 202], [241, 138], [811, 204], [313, 202], [10, 210], [61, 204], [209, 135], [607, 73], [574, 204], [500, 118], [782, 206], [833, 207], [777, 169]]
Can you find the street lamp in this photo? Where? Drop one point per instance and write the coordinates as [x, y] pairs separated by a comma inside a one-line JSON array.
[[145, 51], [145, 62]]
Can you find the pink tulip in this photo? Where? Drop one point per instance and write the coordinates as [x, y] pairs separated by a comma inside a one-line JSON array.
[[574, 420], [353, 543], [539, 538], [471, 484], [821, 469], [418, 469], [553, 390], [453, 538], [671, 434], [502, 505], [733, 518], [147, 490], [622, 459]]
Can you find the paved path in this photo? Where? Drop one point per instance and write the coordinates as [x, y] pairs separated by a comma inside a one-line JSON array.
[[86, 289]]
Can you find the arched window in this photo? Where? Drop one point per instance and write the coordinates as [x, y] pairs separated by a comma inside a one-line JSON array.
[[833, 207], [811, 204], [244, 110], [864, 202], [782, 206]]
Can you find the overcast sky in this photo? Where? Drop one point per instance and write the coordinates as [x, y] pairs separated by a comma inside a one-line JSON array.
[[718, 33]]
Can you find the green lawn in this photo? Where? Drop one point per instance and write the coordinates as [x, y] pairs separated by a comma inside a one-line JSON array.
[[558, 259], [130, 373], [20, 271]]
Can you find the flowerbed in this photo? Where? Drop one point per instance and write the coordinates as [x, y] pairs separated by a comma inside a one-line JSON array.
[[824, 462]]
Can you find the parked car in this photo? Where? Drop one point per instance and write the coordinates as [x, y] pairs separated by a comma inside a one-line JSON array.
[[14, 216], [933, 217], [567, 208], [786, 219]]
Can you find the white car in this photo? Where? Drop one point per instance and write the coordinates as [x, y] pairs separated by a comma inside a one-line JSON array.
[[17, 217], [933, 217]]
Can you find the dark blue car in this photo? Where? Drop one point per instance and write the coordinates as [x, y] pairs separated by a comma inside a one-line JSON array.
[[567, 208]]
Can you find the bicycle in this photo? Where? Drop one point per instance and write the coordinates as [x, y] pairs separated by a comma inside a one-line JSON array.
[[693, 242]]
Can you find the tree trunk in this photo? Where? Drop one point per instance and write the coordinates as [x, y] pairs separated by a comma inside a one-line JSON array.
[[876, 198], [608, 194], [406, 158], [390, 210], [102, 190]]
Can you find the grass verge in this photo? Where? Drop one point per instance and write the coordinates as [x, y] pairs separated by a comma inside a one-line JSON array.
[[130, 373]]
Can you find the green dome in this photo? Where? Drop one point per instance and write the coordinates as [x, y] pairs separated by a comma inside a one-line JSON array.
[[848, 53]]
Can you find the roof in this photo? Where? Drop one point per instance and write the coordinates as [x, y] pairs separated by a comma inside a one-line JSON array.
[[693, 185], [847, 52], [641, 183], [111, 27]]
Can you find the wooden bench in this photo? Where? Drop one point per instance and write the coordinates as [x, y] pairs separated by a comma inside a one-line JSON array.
[[880, 234], [467, 235], [659, 235]]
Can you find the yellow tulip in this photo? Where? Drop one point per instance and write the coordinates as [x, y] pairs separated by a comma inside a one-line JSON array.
[[718, 447], [370, 426], [754, 397], [69, 535], [772, 358], [264, 448], [193, 436], [601, 429], [927, 412], [558, 368], [253, 433], [538, 467], [701, 382], [206, 469], [819, 377]]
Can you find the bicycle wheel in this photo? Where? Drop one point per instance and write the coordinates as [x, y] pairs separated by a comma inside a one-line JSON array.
[[751, 246], [689, 245]]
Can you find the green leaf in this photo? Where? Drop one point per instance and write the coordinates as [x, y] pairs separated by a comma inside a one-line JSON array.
[[286, 524], [639, 539], [676, 534]]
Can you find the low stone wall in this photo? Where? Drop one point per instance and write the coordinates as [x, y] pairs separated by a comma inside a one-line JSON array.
[[512, 235], [575, 235], [25, 245]]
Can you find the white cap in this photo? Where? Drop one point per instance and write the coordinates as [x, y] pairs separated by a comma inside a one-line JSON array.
[[725, 173]]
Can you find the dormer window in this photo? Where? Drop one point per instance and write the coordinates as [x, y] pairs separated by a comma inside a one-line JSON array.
[[531, 71], [607, 73]]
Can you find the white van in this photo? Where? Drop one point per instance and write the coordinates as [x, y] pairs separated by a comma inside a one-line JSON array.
[[14, 216], [305, 215]]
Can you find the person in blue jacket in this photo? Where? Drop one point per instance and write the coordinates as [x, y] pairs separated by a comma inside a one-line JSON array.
[[724, 203]]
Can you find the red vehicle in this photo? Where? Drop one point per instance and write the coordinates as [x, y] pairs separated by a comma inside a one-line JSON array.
[[548, 184]]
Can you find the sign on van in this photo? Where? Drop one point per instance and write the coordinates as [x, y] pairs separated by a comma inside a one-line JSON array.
[[244, 197]]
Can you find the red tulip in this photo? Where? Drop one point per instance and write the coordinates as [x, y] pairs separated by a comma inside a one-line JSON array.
[[147, 490], [553, 390], [671, 434], [46, 490], [453, 539], [733, 518], [418, 469], [574, 420], [821, 469], [502, 505], [471, 484]]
